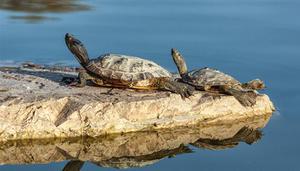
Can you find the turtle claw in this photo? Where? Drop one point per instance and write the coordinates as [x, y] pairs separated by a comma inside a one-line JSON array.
[[72, 82], [76, 84], [190, 90], [185, 90], [246, 98]]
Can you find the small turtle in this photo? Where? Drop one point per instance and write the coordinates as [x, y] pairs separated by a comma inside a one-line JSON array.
[[208, 79], [121, 71]]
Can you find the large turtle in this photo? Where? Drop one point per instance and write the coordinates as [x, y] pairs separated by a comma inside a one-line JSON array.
[[123, 71], [208, 79]]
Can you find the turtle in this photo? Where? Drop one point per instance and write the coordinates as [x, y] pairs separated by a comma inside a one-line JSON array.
[[122, 71], [209, 79]]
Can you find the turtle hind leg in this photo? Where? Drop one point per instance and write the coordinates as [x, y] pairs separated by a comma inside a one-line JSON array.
[[183, 89], [246, 98], [255, 84]]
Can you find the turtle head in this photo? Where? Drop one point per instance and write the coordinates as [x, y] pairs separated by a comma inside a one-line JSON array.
[[179, 61], [77, 49]]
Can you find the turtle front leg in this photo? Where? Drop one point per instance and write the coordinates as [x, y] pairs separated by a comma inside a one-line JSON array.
[[82, 77], [183, 89], [246, 98], [255, 84]]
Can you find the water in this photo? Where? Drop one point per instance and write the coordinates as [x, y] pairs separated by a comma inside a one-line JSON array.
[[246, 38]]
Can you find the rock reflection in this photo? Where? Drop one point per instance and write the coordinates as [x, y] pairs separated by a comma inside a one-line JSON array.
[[34, 9], [134, 149]]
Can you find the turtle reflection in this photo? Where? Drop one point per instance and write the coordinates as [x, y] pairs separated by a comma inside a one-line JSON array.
[[247, 135]]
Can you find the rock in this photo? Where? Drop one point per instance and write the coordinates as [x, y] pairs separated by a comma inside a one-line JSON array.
[[34, 104], [135, 149]]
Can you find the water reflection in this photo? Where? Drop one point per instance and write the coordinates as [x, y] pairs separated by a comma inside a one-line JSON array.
[[33, 18], [134, 149], [35, 10]]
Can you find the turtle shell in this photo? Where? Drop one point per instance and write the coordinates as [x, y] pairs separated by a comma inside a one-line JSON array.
[[126, 68], [209, 77]]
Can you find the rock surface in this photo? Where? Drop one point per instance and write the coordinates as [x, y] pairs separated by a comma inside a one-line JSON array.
[[34, 104]]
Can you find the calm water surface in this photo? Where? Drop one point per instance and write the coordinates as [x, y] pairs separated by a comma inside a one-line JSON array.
[[247, 38]]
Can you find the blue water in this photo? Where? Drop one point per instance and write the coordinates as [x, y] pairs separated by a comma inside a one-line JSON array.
[[246, 38]]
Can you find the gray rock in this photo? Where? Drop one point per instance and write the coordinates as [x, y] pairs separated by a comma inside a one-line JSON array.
[[35, 104]]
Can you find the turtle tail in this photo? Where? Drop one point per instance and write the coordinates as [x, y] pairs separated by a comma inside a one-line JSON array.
[[179, 61], [77, 48]]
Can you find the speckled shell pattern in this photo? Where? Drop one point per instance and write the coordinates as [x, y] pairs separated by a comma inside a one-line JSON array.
[[210, 77], [126, 68]]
